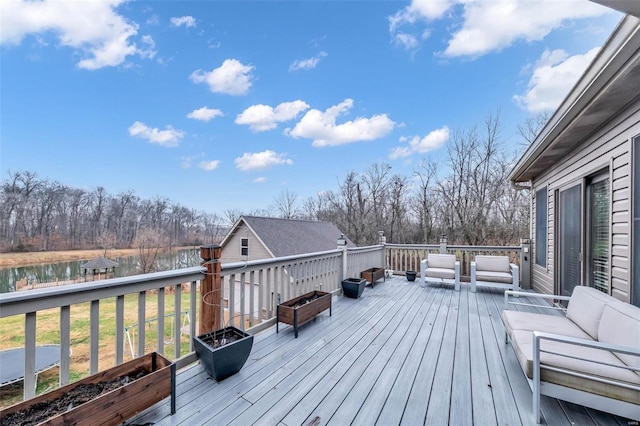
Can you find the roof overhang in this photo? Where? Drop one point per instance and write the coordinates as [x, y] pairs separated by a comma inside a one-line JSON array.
[[630, 7], [610, 83]]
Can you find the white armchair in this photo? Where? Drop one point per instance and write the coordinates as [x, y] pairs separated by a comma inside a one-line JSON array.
[[442, 268], [494, 271]]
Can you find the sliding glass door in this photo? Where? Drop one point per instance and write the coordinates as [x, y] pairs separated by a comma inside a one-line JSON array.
[[569, 239]]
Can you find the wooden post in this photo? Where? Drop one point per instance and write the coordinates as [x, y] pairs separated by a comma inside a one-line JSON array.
[[211, 289]]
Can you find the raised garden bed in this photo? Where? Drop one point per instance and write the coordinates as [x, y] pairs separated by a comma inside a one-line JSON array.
[[302, 309], [106, 398], [373, 274]]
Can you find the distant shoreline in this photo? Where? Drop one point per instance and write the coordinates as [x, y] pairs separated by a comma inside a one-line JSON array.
[[16, 260]]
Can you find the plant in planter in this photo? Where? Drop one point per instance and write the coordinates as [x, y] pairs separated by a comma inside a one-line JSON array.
[[411, 275], [223, 352], [353, 287]]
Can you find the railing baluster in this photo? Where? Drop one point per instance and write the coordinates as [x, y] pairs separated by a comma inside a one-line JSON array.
[[30, 355], [242, 300], [119, 329], [251, 298], [260, 294], [142, 308], [193, 298], [94, 336], [177, 324], [65, 343], [160, 316], [232, 298]]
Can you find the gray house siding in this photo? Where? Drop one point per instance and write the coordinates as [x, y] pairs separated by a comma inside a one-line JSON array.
[[232, 250], [609, 149]]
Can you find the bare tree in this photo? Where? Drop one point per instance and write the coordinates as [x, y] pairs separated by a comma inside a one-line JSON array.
[[531, 127], [285, 205], [148, 242]]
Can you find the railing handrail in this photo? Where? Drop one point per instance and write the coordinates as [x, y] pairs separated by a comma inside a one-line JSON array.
[[22, 302], [275, 261]]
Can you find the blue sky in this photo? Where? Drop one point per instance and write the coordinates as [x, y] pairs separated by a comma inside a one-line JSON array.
[[223, 105]]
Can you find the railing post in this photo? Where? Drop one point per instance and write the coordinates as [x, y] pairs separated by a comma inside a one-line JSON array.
[[525, 263], [383, 242], [443, 244], [210, 289], [342, 245]]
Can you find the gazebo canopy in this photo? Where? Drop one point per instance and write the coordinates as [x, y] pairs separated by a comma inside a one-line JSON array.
[[99, 263]]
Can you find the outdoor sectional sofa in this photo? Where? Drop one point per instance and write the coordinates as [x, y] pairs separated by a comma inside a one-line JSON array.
[[589, 357]]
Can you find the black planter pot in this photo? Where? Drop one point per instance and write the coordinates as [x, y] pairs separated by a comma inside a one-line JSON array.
[[411, 275], [353, 287], [226, 360]]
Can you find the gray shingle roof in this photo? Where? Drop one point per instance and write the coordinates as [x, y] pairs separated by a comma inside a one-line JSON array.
[[287, 237], [99, 263]]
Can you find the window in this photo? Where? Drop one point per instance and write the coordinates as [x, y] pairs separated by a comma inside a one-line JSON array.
[[541, 227], [598, 232], [244, 247]]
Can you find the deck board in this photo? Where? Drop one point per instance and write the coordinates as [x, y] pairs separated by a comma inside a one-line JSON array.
[[404, 353]]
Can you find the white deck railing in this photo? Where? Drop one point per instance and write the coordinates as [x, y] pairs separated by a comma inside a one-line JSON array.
[[250, 293]]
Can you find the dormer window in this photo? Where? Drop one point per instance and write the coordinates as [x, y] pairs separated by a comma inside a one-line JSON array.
[[244, 247]]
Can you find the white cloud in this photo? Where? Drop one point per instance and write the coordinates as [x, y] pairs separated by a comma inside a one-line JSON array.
[[187, 21], [209, 165], [306, 64], [93, 28], [261, 160], [170, 137], [322, 128], [494, 25], [487, 25], [408, 41], [205, 114], [554, 75], [417, 145], [264, 117], [260, 179], [231, 78]]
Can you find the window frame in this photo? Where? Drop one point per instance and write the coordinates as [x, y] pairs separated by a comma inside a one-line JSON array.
[[244, 247], [541, 254]]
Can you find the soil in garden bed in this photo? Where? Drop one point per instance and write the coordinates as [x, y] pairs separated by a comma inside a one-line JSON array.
[[220, 338], [77, 396], [305, 300]]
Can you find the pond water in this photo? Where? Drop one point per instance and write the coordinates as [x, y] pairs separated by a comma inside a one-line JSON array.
[[64, 271]]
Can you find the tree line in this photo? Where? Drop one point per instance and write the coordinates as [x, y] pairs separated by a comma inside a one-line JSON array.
[[468, 200]]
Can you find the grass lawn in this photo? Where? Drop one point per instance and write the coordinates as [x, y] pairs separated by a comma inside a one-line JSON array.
[[48, 332]]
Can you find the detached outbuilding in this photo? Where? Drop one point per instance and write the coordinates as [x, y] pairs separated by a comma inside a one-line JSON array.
[[99, 266]]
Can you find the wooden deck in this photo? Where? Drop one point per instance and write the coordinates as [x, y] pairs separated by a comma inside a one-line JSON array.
[[403, 353]]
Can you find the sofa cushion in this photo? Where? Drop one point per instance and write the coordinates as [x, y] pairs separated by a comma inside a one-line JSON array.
[[528, 321], [495, 277], [442, 261], [492, 263], [585, 308], [447, 274], [620, 325], [522, 342]]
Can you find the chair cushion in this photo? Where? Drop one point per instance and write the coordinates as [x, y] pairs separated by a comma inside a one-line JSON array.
[[496, 277], [440, 273], [523, 345], [620, 325], [442, 261], [492, 264], [585, 308], [528, 321]]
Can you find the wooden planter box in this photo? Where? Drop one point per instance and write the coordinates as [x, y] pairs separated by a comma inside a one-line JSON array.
[[372, 275], [118, 405], [289, 313]]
